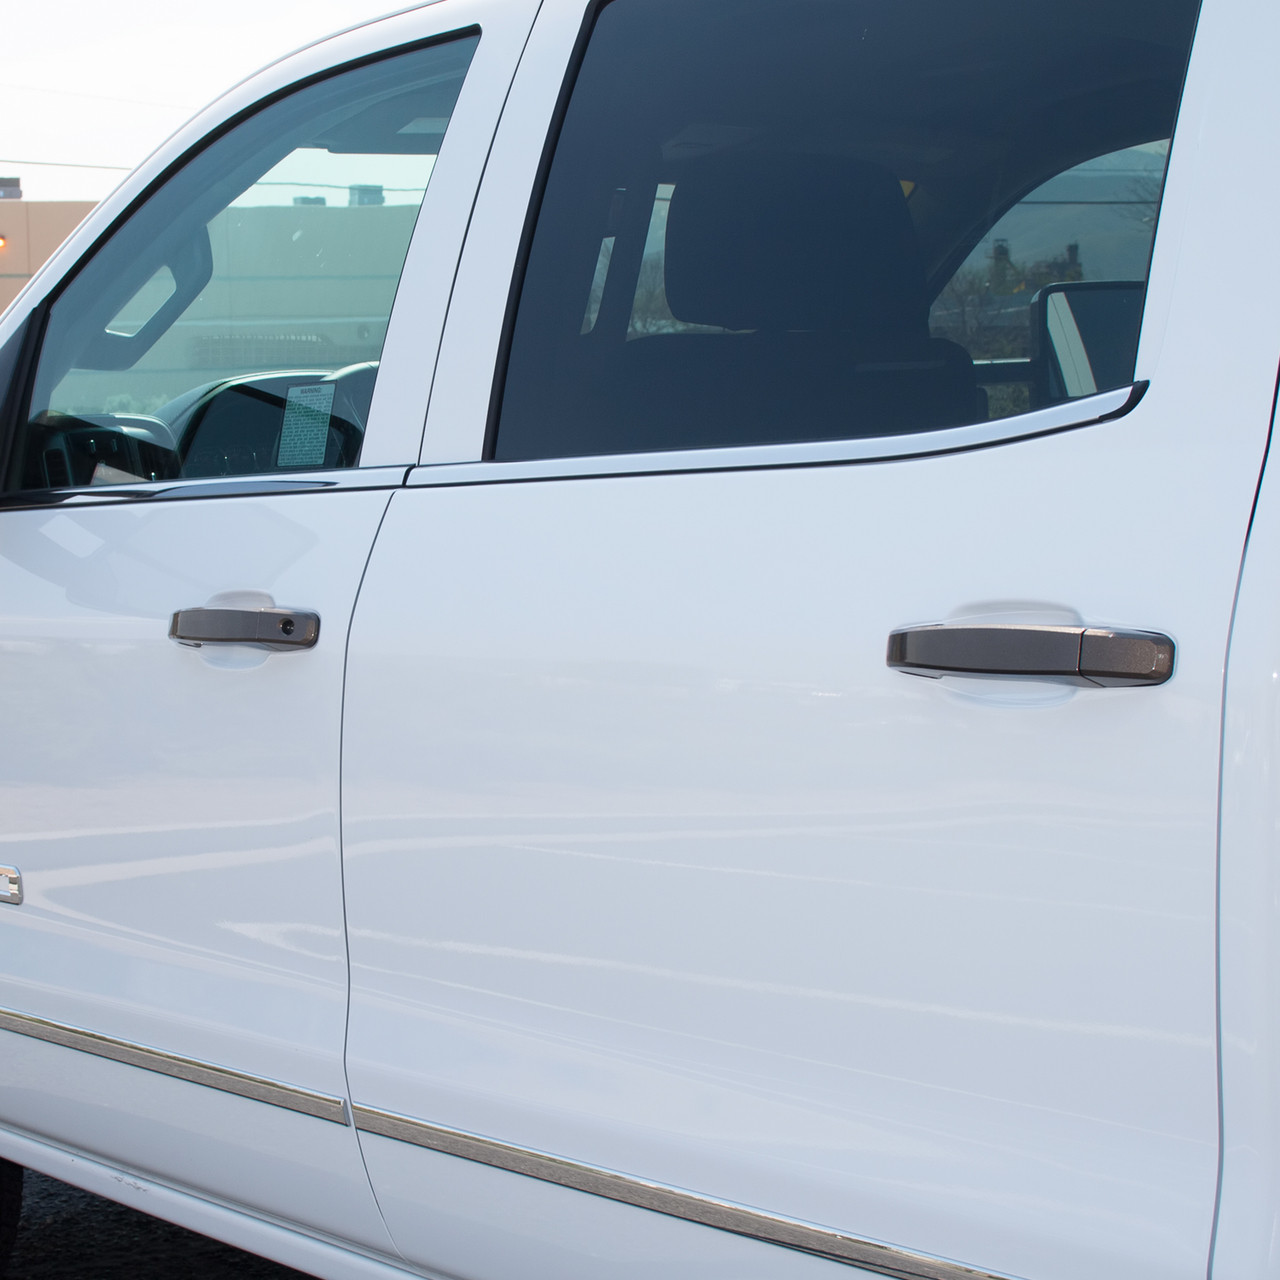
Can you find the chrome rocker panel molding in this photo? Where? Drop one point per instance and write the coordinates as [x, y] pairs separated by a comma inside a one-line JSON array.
[[322, 1106], [789, 1233], [769, 1228]]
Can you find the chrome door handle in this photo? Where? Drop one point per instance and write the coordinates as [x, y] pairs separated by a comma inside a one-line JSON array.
[[1074, 655], [266, 628]]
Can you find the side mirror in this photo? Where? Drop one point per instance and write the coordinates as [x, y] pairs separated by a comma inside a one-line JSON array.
[[1084, 337]]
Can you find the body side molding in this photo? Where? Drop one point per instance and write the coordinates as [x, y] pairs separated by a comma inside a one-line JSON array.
[[707, 1211], [321, 1105]]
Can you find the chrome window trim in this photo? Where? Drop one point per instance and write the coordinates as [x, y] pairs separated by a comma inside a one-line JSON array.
[[219, 487], [690, 1206], [1088, 411], [321, 1105], [1075, 414]]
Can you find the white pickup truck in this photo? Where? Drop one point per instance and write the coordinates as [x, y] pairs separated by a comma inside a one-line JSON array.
[[642, 639]]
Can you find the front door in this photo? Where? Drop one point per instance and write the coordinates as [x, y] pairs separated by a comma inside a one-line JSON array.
[[215, 414]]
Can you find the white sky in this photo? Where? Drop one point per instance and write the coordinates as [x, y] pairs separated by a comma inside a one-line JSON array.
[[85, 82]]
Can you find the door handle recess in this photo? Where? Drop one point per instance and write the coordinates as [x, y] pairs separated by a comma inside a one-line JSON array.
[[1072, 655], [265, 628]]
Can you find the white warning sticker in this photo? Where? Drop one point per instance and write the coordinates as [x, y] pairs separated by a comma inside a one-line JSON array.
[[305, 431]]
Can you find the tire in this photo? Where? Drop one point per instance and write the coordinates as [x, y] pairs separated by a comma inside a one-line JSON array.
[[10, 1209]]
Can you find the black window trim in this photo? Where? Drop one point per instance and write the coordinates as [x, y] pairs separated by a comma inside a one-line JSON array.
[[525, 247]]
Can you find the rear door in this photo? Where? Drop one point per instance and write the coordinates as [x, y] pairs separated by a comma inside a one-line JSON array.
[[207, 415], [664, 885]]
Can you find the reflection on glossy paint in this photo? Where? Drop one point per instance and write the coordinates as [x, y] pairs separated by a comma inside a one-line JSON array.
[[788, 991], [626, 882], [177, 821]]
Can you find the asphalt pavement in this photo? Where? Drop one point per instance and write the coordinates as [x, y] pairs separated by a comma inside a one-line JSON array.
[[68, 1234]]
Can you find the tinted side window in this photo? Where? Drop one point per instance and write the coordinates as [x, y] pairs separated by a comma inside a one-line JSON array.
[[770, 220], [233, 324], [1078, 245]]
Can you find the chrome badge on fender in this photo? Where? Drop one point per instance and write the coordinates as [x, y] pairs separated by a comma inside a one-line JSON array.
[[11, 885]]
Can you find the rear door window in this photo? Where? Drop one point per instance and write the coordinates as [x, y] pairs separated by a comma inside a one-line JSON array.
[[772, 222]]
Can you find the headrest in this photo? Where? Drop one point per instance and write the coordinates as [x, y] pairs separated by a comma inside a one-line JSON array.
[[794, 242]]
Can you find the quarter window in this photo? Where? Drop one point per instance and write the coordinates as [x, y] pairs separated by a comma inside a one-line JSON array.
[[789, 220]]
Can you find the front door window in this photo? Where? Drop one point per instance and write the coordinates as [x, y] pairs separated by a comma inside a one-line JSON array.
[[233, 325]]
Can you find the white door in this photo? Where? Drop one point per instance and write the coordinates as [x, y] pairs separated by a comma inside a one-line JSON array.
[[204, 445], [663, 885]]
